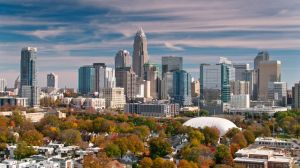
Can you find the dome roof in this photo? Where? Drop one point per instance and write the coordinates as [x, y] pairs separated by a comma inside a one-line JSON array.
[[223, 125]]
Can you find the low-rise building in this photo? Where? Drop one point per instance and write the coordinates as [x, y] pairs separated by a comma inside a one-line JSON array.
[[153, 109], [114, 97], [14, 101], [95, 103], [258, 110]]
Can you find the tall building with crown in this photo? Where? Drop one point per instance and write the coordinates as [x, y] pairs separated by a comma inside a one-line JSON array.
[[140, 53]]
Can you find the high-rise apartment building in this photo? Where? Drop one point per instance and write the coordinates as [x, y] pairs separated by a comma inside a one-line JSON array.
[[268, 72], [170, 64], [240, 87], [122, 59], [52, 80], [86, 79], [182, 88], [3, 85], [140, 53], [28, 84]]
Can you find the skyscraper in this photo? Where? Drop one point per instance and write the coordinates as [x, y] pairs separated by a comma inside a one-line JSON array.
[[122, 59], [152, 74], [29, 88], [170, 64], [52, 80], [3, 85], [261, 56], [214, 82], [268, 72], [196, 88], [167, 86], [296, 95], [240, 71], [125, 78], [140, 53], [99, 76], [182, 88], [86, 79], [278, 93]]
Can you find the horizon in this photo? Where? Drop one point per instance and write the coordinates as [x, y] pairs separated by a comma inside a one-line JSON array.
[[72, 34]]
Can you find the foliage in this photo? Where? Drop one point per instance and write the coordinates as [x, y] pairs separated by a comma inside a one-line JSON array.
[[33, 138], [223, 155], [71, 137], [159, 147], [23, 151], [211, 135]]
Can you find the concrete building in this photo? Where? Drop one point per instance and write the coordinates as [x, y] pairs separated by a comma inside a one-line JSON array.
[[52, 80], [268, 72], [86, 80], [296, 95], [140, 53], [258, 110], [151, 73], [240, 87], [28, 86], [278, 93], [240, 101], [182, 88], [122, 59], [195, 88], [3, 85], [170, 64], [94, 103], [152, 109], [14, 101], [114, 97], [261, 57], [126, 78]]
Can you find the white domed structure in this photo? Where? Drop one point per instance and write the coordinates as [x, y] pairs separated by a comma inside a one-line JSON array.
[[223, 125]]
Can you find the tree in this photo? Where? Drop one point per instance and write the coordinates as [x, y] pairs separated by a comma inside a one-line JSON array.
[[186, 164], [71, 137], [33, 138], [112, 150], [240, 140], [159, 163], [196, 135], [142, 131], [159, 147], [146, 162], [223, 155], [135, 145], [249, 136], [234, 148], [211, 135], [122, 143], [91, 161], [23, 151], [17, 117]]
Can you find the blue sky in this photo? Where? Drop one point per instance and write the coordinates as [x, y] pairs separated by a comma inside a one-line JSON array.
[[72, 33]]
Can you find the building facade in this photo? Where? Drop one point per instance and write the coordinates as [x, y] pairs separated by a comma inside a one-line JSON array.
[[52, 80], [151, 73], [170, 64], [196, 88], [28, 82], [126, 78], [182, 88], [278, 93], [152, 109], [86, 80], [114, 97], [140, 53], [122, 59], [296, 95], [240, 71], [3, 85]]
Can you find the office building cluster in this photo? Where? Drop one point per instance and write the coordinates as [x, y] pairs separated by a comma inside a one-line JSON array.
[[224, 87]]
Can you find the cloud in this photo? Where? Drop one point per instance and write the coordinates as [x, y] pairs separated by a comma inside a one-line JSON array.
[[173, 47]]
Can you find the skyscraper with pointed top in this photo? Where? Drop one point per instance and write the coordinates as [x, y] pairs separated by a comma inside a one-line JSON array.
[[140, 53]]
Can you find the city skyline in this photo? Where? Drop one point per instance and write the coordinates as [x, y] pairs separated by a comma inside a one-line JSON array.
[[94, 31]]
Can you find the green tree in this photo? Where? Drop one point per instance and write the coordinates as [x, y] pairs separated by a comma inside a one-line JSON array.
[[142, 131], [240, 140], [249, 135], [186, 164], [223, 155], [71, 137], [23, 151], [159, 147], [112, 150], [196, 135]]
